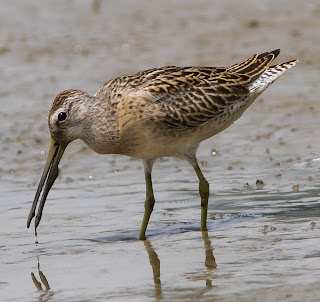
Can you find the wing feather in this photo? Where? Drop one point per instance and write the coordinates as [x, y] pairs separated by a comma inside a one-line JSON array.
[[186, 97]]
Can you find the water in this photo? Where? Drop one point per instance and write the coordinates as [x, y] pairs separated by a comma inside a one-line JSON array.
[[261, 244]]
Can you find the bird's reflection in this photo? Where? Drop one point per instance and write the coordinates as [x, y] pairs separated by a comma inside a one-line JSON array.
[[210, 261], [204, 274], [46, 294], [155, 264], [210, 264]]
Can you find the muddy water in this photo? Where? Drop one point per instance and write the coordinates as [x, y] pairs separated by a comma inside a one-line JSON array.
[[262, 244]]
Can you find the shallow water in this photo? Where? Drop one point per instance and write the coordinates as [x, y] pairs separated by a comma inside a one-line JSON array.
[[262, 244]]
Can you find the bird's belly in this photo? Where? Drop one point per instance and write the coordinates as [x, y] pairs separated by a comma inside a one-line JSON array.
[[164, 143], [152, 141]]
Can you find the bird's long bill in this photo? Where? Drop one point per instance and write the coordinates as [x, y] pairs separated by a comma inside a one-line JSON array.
[[49, 175]]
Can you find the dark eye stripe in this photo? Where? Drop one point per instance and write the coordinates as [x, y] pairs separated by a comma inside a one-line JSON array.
[[62, 116]]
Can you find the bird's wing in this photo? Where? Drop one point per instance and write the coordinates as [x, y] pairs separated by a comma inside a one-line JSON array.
[[191, 96], [184, 97]]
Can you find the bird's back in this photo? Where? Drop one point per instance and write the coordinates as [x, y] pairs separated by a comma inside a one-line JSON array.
[[175, 108]]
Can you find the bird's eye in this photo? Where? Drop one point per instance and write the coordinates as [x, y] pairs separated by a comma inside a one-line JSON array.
[[62, 116]]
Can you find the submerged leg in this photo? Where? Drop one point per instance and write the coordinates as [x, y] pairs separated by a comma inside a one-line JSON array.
[[203, 191], [149, 202]]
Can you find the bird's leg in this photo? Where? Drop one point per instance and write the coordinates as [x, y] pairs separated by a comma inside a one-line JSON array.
[[204, 194], [203, 191], [149, 202]]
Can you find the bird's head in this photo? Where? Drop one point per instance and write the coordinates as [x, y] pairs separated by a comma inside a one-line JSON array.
[[67, 115], [67, 121]]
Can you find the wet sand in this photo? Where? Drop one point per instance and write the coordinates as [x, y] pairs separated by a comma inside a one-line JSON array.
[[262, 244]]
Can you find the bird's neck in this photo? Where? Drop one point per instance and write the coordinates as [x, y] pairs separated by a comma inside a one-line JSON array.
[[101, 133]]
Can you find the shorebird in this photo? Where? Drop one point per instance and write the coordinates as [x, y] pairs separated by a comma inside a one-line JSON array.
[[156, 113]]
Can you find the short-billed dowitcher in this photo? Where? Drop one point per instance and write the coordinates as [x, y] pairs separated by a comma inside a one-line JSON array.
[[155, 113]]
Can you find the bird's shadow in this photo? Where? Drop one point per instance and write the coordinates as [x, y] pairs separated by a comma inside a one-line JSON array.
[[160, 231]]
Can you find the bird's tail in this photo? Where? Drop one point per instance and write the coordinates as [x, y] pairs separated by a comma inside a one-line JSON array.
[[256, 65], [269, 76]]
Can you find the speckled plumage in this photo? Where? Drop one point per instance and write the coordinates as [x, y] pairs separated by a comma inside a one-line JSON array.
[[164, 111], [168, 111]]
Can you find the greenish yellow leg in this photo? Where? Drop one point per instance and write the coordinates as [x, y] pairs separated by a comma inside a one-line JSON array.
[[149, 202], [204, 194], [203, 191]]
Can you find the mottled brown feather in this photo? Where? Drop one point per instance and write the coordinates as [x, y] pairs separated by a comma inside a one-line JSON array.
[[189, 96]]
